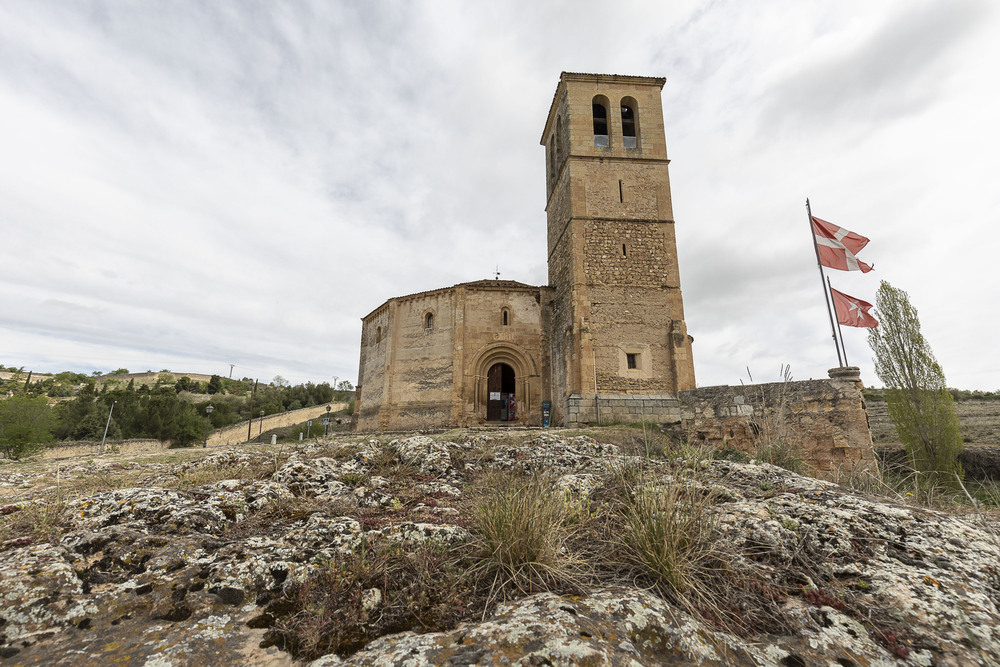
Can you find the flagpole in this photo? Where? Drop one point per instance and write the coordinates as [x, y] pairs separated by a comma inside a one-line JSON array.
[[839, 330], [822, 282]]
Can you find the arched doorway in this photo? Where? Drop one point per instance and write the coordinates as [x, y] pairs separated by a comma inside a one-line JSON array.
[[500, 402]]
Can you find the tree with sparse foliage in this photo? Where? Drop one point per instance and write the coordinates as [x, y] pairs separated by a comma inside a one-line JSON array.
[[916, 394]]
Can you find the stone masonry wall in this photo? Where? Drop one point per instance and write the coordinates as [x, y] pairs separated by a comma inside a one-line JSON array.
[[825, 420], [622, 409]]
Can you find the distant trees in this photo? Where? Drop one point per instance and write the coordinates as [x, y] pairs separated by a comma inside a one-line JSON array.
[[172, 410], [187, 384], [918, 400]]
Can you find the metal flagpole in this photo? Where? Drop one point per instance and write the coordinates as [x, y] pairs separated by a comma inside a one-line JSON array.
[[822, 281], [839, 330]]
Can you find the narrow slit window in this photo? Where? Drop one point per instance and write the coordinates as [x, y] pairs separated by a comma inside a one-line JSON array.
[[429, 321], [378, 335], [600, 124], [621, 192], [628, 126], [624, 253], [503, 318], [632, 360]]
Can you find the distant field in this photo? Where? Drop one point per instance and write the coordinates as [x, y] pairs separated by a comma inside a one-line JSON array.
[[980, 422]]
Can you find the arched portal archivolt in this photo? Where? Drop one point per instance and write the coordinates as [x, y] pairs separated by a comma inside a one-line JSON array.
[[520, 360]]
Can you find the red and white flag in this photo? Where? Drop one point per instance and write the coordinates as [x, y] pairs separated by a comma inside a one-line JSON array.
[[838, 247], [851, 311]]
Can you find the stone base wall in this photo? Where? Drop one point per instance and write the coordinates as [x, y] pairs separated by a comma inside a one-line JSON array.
[[621, 409], [823, 420]]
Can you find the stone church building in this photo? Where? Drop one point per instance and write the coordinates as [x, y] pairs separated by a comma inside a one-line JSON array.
[[606, 332]]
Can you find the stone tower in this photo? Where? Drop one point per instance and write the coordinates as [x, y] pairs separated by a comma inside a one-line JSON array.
[[618, 336]]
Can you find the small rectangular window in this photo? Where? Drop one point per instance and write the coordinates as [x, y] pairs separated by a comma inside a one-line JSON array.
[[632, 359]]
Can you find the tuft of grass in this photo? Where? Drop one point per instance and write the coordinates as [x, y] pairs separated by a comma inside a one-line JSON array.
[[670, 535], [523, 529], [36, 521], [780, 453]]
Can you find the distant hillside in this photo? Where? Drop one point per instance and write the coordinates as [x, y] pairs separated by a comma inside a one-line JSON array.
[[980, 422]]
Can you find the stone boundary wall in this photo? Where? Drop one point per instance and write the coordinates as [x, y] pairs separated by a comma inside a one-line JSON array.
[[824, 420], [237, 433], [90, 448], [622, 409], [35, 377], [151, 377]]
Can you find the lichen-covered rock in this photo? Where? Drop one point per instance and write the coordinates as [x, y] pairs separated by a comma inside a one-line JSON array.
[[614, 626], [171, 510], [195, 574], [429, 456], [421, 533], [39, 592], [313, 477], [551, 454]]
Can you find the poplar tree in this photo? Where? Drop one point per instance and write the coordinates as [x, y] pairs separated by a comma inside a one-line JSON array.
[[919, 403]]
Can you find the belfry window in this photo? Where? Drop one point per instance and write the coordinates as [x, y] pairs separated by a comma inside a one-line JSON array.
[[600, 122], [628, 125]]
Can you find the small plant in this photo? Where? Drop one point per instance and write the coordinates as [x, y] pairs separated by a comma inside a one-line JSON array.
[[353, 478], [790, 524]]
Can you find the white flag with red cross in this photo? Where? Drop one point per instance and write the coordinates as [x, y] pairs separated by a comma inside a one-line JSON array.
[[838, 247]]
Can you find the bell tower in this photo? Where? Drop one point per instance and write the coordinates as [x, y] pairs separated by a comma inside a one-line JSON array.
[[618, 335]]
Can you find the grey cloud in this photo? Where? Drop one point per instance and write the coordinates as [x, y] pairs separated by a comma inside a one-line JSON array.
[[897, 72]]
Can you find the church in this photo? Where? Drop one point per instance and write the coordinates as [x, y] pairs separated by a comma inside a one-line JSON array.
[[605, 336]]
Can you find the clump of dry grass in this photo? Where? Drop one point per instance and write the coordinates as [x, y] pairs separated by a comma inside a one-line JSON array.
[[670, 534], [39, 520], [523, 530]]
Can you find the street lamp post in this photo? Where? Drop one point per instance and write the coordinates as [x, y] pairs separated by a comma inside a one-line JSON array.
[[326, 422], [208, 422], [260, 431], [106, 426]]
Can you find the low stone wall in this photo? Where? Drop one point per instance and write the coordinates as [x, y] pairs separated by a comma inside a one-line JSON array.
[[87, 448], [237, 433], [622, 409], [824, 420]]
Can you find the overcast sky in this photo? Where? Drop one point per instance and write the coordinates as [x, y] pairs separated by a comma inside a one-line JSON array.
[[189, 185]]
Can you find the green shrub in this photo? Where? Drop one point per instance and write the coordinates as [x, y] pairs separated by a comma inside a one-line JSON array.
[[25, 425], [918, 399]]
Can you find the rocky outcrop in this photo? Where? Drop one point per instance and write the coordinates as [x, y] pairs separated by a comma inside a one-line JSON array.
[[194, 562]]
